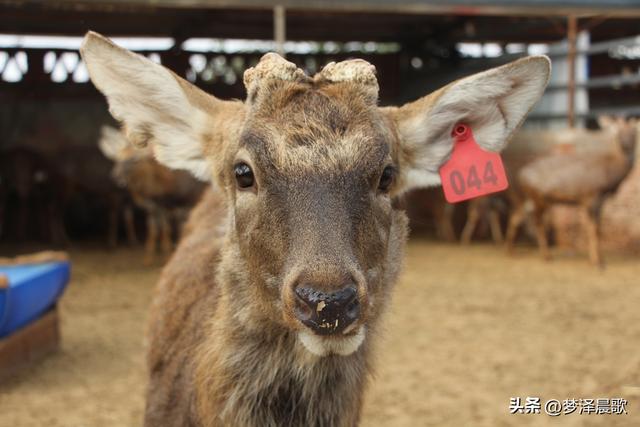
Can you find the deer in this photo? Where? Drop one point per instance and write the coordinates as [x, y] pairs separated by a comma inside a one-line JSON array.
[[486, 208], [583, 177], [431, 202], [164, 194], [526, 146], [269, 311]]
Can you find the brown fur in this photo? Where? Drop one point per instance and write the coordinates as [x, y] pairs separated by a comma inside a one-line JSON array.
[[164, 195], [250, 366], [226, 346]]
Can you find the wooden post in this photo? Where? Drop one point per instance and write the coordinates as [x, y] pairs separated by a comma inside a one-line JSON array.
[[279, 28], [572, 30]]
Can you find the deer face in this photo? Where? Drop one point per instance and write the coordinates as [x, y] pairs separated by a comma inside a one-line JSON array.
[[311, 167], [311, 183]]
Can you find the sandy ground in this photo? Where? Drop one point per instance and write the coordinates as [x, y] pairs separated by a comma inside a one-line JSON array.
[[468, 329]]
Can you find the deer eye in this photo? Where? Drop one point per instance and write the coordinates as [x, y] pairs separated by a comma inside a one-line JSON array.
[[386, 179], [244, 175]]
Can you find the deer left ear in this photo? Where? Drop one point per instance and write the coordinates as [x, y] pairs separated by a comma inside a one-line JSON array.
[[160, 110], [493, 103]]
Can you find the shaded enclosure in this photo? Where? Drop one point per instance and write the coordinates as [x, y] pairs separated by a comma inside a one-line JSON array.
[[51, 113], [469, 328]]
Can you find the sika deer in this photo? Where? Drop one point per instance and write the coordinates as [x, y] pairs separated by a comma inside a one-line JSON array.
[[584, 178], [430, 202], [269, 310], [482, 209], [165, 195], [526, 146]]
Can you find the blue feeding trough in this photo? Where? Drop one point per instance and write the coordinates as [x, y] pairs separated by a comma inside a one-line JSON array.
[[33, 289]]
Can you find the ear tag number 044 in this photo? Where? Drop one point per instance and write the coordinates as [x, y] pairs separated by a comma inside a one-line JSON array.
[[471, 171]]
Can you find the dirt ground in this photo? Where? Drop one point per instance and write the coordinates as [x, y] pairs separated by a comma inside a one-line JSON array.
[[468, 329]]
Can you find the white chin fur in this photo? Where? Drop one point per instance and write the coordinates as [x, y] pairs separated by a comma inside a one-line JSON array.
[[323, 346]]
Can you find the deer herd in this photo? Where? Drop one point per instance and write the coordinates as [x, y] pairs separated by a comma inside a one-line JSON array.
[[568, 167], [269, 310]]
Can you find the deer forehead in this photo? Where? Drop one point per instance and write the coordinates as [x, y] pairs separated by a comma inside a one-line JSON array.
[[302, 127], [331, 154]]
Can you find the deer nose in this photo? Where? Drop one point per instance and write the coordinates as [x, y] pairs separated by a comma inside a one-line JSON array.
[[327, 313]]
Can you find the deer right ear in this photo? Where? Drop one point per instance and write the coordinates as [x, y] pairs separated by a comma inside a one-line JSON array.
[[156, 106]]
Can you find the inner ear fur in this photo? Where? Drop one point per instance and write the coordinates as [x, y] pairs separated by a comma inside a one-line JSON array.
[[184, 126], [493, 103]]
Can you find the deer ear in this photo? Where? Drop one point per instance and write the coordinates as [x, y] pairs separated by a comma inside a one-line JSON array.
[[493, 103], [157, 107], [606, 122], [112, 143]]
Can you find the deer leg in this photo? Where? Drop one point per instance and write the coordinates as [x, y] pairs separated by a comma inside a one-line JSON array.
[[152, 236], [496, 229], [473, 216], [516, 216], [590, 222], [442, 215], [165, 234], [129, 225], [541, 232], [447, 225]]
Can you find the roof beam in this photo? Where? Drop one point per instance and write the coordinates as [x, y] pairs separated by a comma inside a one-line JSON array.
[[580, 8]]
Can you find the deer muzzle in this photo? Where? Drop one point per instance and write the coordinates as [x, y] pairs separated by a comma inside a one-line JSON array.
[[327, 313]]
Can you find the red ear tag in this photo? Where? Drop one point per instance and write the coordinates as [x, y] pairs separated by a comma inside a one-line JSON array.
[[471, 171]]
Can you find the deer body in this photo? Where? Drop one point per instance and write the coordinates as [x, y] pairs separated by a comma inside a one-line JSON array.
[[164, 194], [526, 146], [583, 178], [269, 310]]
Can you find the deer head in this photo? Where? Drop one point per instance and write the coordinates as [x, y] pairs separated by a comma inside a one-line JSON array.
[[310, 167], [624, 132], [114, 145]]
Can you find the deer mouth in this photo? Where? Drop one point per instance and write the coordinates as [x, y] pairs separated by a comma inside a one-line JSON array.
[[323, 345]]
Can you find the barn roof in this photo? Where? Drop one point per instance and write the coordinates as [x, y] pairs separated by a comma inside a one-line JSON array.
[[339, 20]]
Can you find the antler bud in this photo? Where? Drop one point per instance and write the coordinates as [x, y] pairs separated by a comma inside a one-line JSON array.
[[271, 67], [354, 70]]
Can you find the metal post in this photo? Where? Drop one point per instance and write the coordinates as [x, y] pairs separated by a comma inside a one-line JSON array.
[[572, 30], [279, 28]]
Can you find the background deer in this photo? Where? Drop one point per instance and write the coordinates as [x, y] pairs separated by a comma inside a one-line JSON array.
[[584, 176], [527, 146], [430, 203], [165, 195], [268, 312]]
